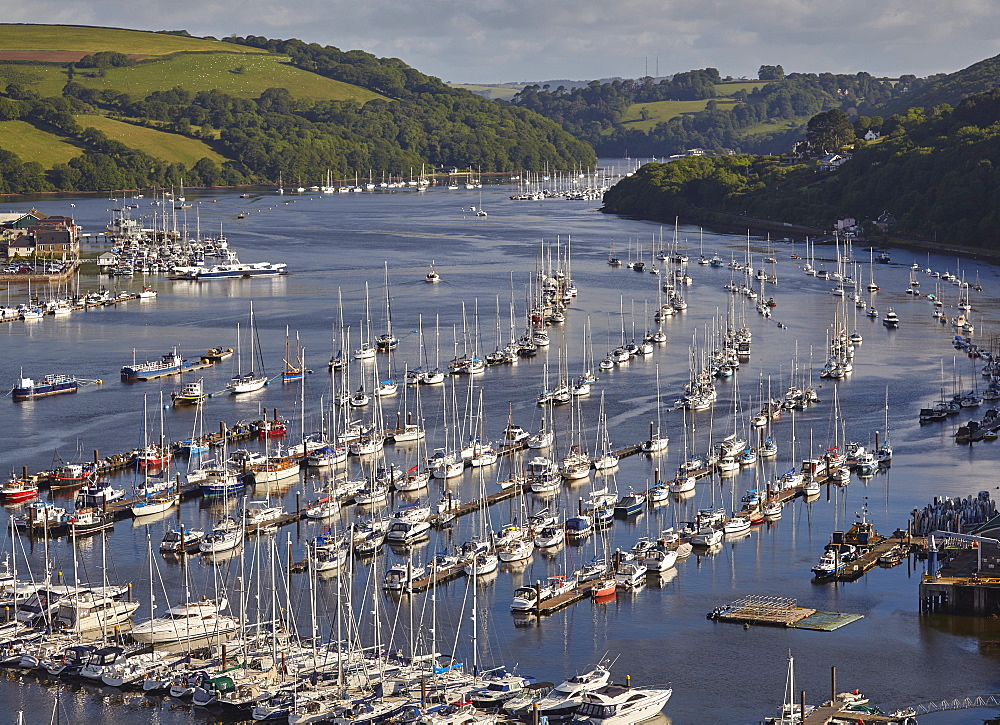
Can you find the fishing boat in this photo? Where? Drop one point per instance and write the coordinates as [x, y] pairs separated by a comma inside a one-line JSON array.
[[169, 363], [18, 490], [28, 389], [603, 588], [190, 394], [90, 521]]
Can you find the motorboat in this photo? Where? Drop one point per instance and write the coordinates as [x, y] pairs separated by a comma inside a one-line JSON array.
[[658, 560], [706, 536], [564, 699], [631, 575], [188, 622], [90, 611], [621, 705], [405, 532], [181, 541]]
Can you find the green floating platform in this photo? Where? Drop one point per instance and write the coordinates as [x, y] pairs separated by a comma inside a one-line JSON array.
[[826, 621]]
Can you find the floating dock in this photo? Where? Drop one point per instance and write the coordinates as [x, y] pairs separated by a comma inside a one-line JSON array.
[[781, 612]]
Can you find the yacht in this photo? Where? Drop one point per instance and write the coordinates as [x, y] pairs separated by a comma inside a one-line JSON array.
[[890, 319], [622, 705], [188, 622], [565, 698], [88, 611]]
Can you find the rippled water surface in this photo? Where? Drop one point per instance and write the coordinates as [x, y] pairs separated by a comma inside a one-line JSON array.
[[337, 245]]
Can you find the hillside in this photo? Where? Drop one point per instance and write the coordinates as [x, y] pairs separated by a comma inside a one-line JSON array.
[[937, 173], [504, 93], [697, 109], [949, 88], [65, 43], [105, 108]]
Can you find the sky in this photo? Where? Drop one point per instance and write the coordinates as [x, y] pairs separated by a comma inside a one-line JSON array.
[[495, 41]]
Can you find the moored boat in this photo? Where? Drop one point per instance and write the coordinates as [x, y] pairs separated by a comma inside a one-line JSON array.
[[28, 389]]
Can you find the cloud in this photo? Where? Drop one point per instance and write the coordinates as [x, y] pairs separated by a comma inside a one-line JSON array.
[[584, 39]]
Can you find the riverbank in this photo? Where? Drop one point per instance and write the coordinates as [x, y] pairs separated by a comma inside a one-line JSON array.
[[737, 223]]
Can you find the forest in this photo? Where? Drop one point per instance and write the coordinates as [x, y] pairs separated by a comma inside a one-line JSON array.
[[594, 113], [936, 170]]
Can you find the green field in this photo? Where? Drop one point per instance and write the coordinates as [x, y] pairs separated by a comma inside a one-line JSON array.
[[167, 146], [728, 89], [93, 40], [32, 144], [214, 71], [491, 92], [45, 80], [660, 111]]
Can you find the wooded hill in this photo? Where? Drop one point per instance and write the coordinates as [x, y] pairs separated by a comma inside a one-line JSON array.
[[937, 172], [765, 116], [87, 109]]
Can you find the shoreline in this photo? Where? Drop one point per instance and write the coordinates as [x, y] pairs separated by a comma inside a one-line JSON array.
[[720, 221]]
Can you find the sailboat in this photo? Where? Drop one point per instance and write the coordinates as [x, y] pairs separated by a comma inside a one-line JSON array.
[[387, 341], [294, 366], [250, 381], [790, 711], [657, 441]]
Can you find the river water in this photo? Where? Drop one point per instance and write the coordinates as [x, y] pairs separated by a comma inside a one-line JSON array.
[[338, 244]]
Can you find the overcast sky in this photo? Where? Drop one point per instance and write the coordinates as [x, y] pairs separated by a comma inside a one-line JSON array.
[[515, 40]]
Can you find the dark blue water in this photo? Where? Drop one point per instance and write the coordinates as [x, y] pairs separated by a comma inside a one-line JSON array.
[[720, 673]]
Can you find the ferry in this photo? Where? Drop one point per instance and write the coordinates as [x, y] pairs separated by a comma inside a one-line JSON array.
[[224, 271], [28, 389], [171, 362]]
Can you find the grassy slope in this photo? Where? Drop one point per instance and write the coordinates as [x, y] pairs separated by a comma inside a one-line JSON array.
[[32, 144], [665, 110], [167, 146], [491, 92], [206, 72], [45, 80], [202, 71], [92, 40], [660, 111]]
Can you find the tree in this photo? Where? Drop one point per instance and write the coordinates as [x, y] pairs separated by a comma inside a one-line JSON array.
[[771, 73], [644, 113], [830, 130]]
